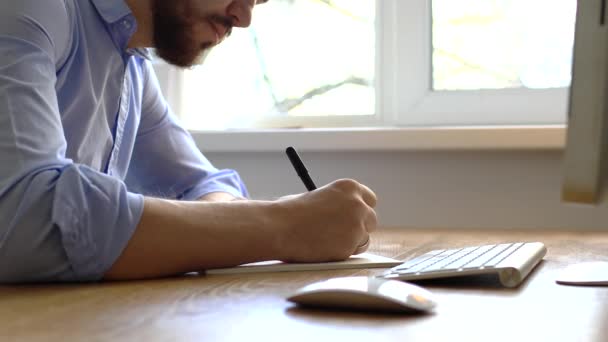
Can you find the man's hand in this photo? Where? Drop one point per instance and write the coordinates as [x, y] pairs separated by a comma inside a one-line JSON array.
[[330, 223]]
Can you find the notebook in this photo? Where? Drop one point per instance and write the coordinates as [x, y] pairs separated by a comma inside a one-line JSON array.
[[364, 260]]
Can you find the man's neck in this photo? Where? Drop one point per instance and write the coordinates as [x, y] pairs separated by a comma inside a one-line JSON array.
[[142, 10]]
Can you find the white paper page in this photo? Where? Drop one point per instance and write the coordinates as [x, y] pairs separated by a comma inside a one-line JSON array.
[[361, 261]]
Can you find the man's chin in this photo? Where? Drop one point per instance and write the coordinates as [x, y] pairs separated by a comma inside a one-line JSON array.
[[202, 57], [185, 62]]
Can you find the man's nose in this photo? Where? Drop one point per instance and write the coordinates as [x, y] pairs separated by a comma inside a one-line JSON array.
[[240, 11]]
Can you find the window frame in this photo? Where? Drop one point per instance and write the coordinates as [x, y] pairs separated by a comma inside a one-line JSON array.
[[412, 102], [405, 100]]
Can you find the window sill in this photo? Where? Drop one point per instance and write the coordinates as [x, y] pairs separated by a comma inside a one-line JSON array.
[[533, 137]]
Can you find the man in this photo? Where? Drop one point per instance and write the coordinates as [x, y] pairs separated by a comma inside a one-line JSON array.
[[97, 178]]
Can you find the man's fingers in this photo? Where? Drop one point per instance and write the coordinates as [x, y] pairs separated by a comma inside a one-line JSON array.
[[363, 246], [350, 186], [371, 221], [369, 197]]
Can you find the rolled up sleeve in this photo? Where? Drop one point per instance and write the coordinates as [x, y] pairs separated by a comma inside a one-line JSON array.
[[59, 221]]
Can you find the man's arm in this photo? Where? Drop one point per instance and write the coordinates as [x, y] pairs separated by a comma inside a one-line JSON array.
[[175, 237], [220, 197]]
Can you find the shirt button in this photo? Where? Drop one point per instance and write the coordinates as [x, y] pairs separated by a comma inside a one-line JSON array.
[[126, 24]]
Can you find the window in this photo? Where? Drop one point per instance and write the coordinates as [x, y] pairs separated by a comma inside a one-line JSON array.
[[299, 60], [358, 63]]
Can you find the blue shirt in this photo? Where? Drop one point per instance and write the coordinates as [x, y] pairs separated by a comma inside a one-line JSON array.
[[84, 134]]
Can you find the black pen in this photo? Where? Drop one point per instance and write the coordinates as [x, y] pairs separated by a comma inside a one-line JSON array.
[[300, 168]]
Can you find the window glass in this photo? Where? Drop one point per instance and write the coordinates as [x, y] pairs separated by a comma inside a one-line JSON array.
[[298, 58], [495, 44]]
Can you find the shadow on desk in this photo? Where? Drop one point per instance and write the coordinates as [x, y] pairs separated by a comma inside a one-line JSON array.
[[482, 281], [347, 316]]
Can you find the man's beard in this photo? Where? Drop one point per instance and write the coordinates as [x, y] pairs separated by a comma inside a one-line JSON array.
[[174, 33]]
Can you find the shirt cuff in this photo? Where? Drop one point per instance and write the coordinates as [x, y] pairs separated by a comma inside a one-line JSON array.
[[227, 181]]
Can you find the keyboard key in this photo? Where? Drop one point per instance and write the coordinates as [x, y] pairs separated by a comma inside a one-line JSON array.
[[487, 256], [448, 262], [429, 262], [505, 254], [417, 260], [478, 251]]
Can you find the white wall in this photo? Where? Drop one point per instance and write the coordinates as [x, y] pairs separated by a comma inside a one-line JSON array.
[[468, 189]]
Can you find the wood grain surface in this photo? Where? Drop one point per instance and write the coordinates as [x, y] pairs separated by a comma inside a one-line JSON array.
[[252, 307]]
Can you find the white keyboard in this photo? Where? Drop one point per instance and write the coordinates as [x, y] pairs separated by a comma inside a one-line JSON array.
[[511, 262]]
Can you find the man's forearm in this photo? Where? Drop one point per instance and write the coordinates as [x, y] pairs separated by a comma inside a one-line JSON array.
[[219, 197], [178, 237], [328, 224]]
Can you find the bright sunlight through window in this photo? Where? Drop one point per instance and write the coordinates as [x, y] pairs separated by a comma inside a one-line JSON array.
[[495, 44], [299, 58]]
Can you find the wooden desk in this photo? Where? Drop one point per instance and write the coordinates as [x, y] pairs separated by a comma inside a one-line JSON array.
[[253, 307]]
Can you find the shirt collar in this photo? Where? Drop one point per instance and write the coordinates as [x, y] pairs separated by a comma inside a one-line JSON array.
[[143, 53], [112, 10]]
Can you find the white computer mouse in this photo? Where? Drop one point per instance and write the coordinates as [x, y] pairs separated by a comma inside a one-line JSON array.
[[365, 294]]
